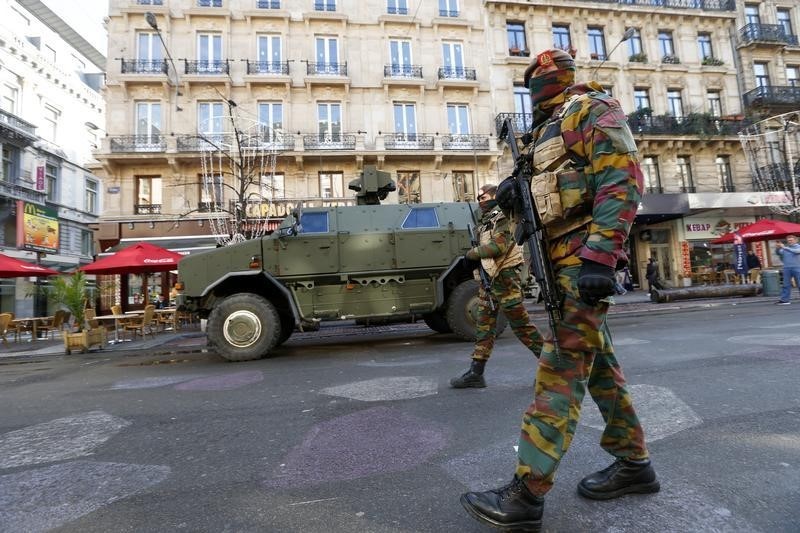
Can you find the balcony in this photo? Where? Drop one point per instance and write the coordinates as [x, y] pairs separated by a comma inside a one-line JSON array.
[[206, 142], [521, 122], [448, 13], [519, 52], [773, 96], [268, 140], [464, 141], [20, 192], [397, 10], [143, 66], [457, 73], [268, 4], [268, 67], [775, 177], [138, 143], [325, 141], [765, 34], [207, 67], [402, 71], [710, 61], [326, 69], [700, 124], [209, 207], [408, 141], [670, 59], [14, 128], [147, 209], [641, 57], [705, 5]]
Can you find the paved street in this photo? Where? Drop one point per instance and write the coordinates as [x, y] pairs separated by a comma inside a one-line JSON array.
[[342, 432]]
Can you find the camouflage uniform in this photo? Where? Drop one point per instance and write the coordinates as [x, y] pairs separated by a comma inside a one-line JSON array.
[[595, 132], [502, 258]]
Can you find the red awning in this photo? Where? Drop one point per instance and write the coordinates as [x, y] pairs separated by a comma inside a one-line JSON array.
[[764, 230], [11, 267], [137, 259]]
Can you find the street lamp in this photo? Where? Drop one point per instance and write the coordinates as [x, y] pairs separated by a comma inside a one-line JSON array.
[[630, 32], [150, 18]]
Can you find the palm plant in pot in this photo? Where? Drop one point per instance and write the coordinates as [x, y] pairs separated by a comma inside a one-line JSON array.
[[72, 292]]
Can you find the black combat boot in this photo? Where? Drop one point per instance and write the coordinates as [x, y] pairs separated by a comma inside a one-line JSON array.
[[622, 477], [511, 507], [471, 378]]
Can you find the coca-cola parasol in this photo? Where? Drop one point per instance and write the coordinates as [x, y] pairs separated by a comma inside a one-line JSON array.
[[764, 230], [11, 267], [141, 258]]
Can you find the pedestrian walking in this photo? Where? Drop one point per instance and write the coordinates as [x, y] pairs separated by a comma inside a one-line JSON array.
[[651, 273], [790, 257], [501, 258], [584, 131]]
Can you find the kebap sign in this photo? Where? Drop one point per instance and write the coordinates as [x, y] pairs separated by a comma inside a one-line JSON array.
[[37, 227], [709, 228]]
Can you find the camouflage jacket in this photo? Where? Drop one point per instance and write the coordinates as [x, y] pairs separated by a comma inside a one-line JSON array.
[[497, 249], [599, 142]]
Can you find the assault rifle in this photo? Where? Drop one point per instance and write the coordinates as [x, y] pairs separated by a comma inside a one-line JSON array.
[[486, 283], [530, 231]]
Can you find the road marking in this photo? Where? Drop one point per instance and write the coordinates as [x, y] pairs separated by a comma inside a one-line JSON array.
[[383, 389], [151, 382], [628, 341], [659, 410], [232, 381], [59, 439], [313, 501], [413, 362]]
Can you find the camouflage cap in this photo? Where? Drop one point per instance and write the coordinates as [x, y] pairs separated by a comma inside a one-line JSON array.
[[547, 61]]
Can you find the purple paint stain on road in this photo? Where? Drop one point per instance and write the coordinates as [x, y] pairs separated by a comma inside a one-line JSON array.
[[375, 441], [223, 382]]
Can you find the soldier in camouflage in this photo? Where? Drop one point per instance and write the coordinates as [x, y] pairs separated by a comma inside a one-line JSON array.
[[501, 258], [580, 136]]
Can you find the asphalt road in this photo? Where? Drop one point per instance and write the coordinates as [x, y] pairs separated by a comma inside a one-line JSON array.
[[346, 433]]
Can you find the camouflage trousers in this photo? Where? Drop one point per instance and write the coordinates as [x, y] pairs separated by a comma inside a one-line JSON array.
[[506, 293], [585, 359]]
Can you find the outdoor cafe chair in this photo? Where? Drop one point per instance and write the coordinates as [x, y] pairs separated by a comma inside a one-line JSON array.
[[5, 320], [143, 324], [15, 328], [55, 325]]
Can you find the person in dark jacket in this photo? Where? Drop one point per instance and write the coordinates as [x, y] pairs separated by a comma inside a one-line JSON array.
[[652, 275], [752, 260]]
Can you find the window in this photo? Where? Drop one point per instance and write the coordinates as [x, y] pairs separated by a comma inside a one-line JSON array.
[[49, 53], [327, 50], [714, 103], [652, 178], [270, 118], [421, 217], [400, 56], [148, 195], [724, 173], [704, 45], [464, 186], [408, 187], [273, 186], [751, 14], [761, 74], [785, 21], [90, 199], [397, 7], [209, 3], [148, 47], [210, 118], [597, 43], [209, 53], [641, 99], [665, 44], [314, 222], [561, 37], [517, 44], [405, 120], [10, 158], [148, 122], [522, 100], [50, 123], [674, 103], [8, 98], [458, 119], [453, 57], [87, 243], [635, 43], [51, 181], [269, 53], [329, 121], [448, 8], [331, 185], [324, 5], [684, 171], [212, 194], [793, 75]]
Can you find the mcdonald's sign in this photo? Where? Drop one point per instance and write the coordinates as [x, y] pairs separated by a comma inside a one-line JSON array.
[[37, 227]]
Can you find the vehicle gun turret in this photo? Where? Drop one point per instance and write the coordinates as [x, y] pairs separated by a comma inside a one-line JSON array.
[[372, 186]]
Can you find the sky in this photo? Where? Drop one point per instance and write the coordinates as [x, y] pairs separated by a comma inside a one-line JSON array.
[[85, 17]]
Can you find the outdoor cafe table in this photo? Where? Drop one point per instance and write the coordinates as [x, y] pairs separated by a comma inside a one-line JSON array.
[[34, 321], [116, 319]]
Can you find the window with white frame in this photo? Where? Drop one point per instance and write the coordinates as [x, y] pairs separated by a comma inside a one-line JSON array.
[[148, 195], [785, 21], [270, 118], [793, 75], [635, 43], [675, 103], [665, 44], [90, 199], [273, 186], [209, 53], [751, 15], [408, 187], [397, 7], [269, 54], [212, 192], [684, 172], [561, 38], [329, 121], [761, 73], [517, 43], [327, 55], [324, 5], [714, 99], [597, 43], [641, 98], [149, 52], [522, 100], [652, 178], [87, 243], [464, 186], [51, 172], [724, 173], [704, 46], [210, 118], [405, 121], [400, 57], [50, 123], [10, 159], [9, 96], [458, 119], [453, 59], [148, 122], [331, 184], [448, 8]]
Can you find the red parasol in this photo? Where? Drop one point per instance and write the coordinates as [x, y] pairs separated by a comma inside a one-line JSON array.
[[16, 268], [764, 230], [141, 258]]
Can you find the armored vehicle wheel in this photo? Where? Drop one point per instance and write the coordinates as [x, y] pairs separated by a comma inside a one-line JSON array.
[[437, 321], [244, 327], [462, 311], [287, 328]]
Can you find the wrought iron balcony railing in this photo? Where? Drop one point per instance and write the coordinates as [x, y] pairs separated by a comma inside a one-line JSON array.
[[268, 4], [519, 52], [706, 5], [728, 187], [464, 141], [143, 66], [408, 141], [773, 96], [521, 122], [671, 59], [775, 177], [268, 140], [765, 33], [204, 142], [693, 124], [147, 209], [268, 67], [402, 71], [138, 143], [457, 73], [150, 2], [688, 188], [12, 125], [330, 5], [216, 66], [657, 189], [208, 207], [209, 3], [397, 10], [21, 192], [325, 141], [448, 13], [710, 61], [326, 69]]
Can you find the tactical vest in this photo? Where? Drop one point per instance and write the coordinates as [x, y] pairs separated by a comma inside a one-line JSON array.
[[512, 257], [559, 188]]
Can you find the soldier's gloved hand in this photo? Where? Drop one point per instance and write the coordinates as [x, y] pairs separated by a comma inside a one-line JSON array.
[[595, 282], [472, 264]]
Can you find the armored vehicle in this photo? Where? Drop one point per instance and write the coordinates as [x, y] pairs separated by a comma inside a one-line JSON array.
[[366, 262]]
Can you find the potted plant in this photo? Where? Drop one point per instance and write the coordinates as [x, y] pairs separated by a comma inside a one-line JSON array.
[[72, 292], [641, 57]]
